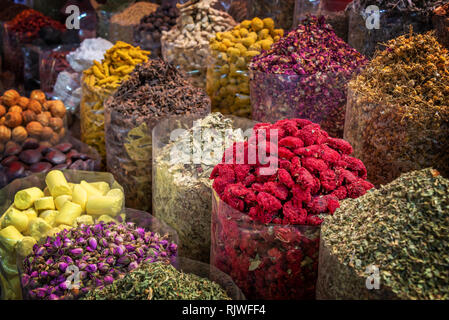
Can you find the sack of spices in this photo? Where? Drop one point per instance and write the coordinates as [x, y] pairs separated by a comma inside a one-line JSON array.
[[98, 83], [271, 194], [187, 44], [305, 75], [102, 252], [51, 63], [189, 280], [397, 116], [227, 71], [155, 91], [148, 33], [391, 243], [441, 24], [370, 27], [280, 11], [182, 165], [43, 204]]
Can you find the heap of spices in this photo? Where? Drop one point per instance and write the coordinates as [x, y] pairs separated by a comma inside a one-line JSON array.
[[98, 82], [441, 23], [148, 33], [160, 281], [227, 71], [305, 75], [122, 24], [395, 18], [398, 109], [154, 91], [103, 253], [44, 204], [265, 225], [281, 11], [399, 230], [187, 44], [181, 184]]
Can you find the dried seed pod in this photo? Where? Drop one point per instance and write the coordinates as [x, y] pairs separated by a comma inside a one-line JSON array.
[[57, 108], [56, 123], [19, 134], [47, 133], [15, 108], [35, 106], [10, 97], [34, 129], [5, 133], [13, 119], [43, 119], [28, 116], [38, 95], [23, 102], [2, 110]]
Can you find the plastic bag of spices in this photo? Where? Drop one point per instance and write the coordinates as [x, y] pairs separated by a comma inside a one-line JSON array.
[[46, 204], [185, 150], [51, 63]]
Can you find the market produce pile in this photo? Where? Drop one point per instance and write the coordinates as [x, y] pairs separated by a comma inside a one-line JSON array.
[[398, 111], [401, 228], [160, 281], [304, 75]]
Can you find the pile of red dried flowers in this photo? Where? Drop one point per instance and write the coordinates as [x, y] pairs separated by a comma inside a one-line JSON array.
[[305, 75], [100, 253], [265, 231]]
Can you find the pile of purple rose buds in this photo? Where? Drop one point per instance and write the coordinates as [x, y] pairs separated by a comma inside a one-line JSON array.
[[75, 261]]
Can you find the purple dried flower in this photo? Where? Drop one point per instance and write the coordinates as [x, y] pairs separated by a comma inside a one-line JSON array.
[[63, 266], [76, 252], [108, 279], [133, 265], [63, 286], [110, 260], [40, 251], [25, 280], [103, 267], [34, 274], [93, 243], [124, 260], [53, 297], [91, 268]]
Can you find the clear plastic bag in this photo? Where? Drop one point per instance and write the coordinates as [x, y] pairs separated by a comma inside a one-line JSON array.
[[8, 256], [228, 85], [13, 60], [266, 261], [51, 63], [182, 192], [320, 98], [389, 146], [281, 11], [129, 154], [141, 219]]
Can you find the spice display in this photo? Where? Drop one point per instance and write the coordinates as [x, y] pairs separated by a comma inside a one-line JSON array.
[[227, 71], [266, 220], [44, 204], [148, 33], [98, 82], [160, 281], [121, 26], [399, 230], [441, 24], [187, 44], [103, 252], [154, 91], [181, 185], [35, 157], [398, 109], [304, 74], [51, 63], [281, 11], [395, 18], [36, 117]]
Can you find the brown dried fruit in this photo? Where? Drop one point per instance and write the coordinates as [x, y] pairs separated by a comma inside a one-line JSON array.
[[35, 106], [48, 114], [5, 133], [13, 119], [15, 108], [47, 133], [23, 102], [54, 138], [46, 105], [61, 133], [2, 110], [10, 97], [57, 108], [28, 116], [56, 123], [2, 120], [19, 134], [34, 128], [38, 95], [43, 119]]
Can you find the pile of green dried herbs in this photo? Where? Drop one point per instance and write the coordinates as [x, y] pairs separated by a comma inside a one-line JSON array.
[[401, 229], [397, 116], [182, 189], [160, 281]]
